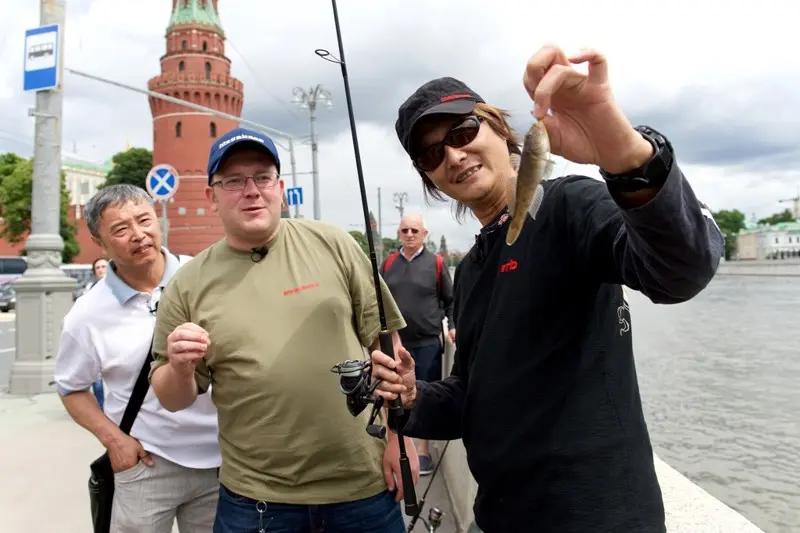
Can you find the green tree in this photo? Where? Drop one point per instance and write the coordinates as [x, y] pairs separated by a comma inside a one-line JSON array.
[[16, 190], [454, 258], [8, 162], [731, 222], [361, 239], [776, 218], [390, 245], [131, 167]]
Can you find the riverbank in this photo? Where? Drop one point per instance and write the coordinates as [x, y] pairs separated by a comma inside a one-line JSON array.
[[789, 268]]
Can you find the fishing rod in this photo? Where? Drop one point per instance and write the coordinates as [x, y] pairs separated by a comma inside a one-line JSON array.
[[355, 375], [434, 515]]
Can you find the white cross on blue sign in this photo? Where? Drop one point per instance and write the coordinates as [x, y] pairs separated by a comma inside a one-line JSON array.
[[294, 196], [42, 58], [162, 182]]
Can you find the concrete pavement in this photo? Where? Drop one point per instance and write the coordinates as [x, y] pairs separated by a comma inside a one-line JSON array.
[[45, 456]]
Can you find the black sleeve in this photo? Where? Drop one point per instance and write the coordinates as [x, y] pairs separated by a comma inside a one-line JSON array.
[[668, 249], [447, 297], [438, 410], [440, 404]]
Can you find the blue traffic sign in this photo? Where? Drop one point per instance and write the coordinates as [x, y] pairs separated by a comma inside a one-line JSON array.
[[162, 182], [42, 58], [294, 196]]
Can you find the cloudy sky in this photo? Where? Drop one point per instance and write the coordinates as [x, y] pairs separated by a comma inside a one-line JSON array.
[[720, 79]]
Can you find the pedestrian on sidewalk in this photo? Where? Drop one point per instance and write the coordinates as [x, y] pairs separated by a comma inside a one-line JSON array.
[[262, 316], [166, 469], [543, 391], [422, 287], [99, 266]]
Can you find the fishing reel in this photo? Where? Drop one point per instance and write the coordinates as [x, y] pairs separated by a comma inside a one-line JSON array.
[[355, 382], [434, 520]]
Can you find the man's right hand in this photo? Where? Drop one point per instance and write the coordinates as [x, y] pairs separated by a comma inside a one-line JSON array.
[[397, 375], [125, 452], [186, 346]]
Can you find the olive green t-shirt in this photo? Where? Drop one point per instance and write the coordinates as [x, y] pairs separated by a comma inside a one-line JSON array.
[[276, 328]]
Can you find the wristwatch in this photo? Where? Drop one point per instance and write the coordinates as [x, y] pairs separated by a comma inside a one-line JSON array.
[[652, 174]]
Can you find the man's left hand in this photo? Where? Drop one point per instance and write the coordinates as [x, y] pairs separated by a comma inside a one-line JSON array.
[[586, 126], [391, 464], [452, 336]]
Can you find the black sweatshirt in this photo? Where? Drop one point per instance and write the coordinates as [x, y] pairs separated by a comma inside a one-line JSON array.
[[543, 390], [413, 287]]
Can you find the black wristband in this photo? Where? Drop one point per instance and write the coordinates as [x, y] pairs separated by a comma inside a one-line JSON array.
[[651, 174]]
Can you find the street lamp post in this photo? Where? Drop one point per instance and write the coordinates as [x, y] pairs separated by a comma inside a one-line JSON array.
[[309, 100], [400, 198]]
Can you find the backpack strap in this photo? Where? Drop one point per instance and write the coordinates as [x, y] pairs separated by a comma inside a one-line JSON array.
[[439, 267], [390, 260]]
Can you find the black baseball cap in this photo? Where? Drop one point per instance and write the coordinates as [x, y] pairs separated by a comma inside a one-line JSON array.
[[447, 96]]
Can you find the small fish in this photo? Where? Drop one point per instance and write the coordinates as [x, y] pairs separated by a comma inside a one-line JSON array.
[[535, 165]]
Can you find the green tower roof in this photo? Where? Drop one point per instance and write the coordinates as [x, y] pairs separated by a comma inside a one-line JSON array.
[[195, 12]]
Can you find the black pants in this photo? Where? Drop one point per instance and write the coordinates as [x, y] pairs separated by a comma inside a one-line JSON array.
[[427, 361]]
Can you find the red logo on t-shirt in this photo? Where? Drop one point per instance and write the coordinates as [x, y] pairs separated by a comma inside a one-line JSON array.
[[508, 267], [301, 288]]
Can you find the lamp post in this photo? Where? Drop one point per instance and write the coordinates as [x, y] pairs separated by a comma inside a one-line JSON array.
[[400, 198], [309, 100]]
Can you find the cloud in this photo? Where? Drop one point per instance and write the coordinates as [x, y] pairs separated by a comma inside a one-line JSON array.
[[718, 79]]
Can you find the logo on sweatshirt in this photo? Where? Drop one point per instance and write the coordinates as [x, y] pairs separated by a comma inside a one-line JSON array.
[[623, 317], [510, 266]]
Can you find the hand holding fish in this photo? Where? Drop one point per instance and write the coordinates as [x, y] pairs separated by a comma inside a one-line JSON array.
[[585, 126]]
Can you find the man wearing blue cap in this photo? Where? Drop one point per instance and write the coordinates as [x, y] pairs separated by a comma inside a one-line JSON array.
[[263, 315]]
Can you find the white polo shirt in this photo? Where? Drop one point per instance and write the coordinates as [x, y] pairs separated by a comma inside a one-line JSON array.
[[107, 334]]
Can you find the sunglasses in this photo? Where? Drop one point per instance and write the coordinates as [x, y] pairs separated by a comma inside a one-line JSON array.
[[429, 158], [409, 230]]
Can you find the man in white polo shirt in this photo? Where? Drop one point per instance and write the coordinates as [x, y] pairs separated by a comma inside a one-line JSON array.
[[167, 468]]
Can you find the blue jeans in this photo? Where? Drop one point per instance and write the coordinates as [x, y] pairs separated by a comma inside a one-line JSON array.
[[97, 388], [240, 514], [427, 362]]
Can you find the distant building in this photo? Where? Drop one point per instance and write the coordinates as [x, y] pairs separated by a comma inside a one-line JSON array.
[[83, 179], [194, 68], [778, 241]]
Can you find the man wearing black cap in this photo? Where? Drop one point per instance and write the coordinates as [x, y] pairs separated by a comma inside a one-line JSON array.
[[257, 321], [543, 390]]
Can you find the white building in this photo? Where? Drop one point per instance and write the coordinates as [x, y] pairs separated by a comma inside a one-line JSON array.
[[779, 241], [82, 179]]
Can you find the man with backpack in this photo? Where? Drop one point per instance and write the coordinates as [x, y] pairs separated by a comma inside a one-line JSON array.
[[423, 290]]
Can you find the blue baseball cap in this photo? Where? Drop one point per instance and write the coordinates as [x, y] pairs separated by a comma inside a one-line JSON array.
[[239, 137]]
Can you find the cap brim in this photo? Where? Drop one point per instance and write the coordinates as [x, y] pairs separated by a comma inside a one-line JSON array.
[[461, 106]]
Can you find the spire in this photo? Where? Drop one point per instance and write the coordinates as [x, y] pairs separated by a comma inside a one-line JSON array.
[[202, 12]]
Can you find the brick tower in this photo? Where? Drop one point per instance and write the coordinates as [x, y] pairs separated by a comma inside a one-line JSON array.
[[195, 69]]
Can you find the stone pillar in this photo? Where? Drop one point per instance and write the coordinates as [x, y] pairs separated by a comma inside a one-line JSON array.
[[44, 292]]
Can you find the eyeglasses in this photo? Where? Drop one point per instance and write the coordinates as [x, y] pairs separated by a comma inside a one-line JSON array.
[[409, 230], [238, 182], [429, 158]]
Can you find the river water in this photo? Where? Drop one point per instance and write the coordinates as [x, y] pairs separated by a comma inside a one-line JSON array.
[[720, 380]]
